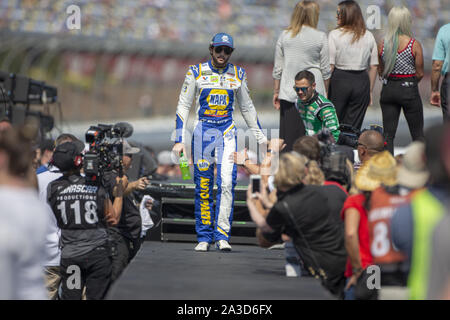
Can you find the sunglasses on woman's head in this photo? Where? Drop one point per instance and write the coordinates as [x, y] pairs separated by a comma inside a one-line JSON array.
[[226, 49]]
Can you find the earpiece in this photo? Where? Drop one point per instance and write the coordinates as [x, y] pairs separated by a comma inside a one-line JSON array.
[[78, 160]]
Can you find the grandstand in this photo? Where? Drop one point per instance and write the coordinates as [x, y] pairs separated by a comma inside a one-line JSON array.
[[129, 57], [254, 23]]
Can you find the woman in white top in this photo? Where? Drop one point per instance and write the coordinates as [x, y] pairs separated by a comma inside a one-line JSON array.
[[353, 52], [300, 47]]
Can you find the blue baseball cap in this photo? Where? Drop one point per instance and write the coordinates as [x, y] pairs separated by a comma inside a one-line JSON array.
[[222, 39]]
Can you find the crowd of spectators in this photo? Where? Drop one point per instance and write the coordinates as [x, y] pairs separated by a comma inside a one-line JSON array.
[[254, 23], [374, 218], [337, 213]]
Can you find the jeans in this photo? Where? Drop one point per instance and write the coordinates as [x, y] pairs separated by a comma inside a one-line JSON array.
[[349, 294], [293, 268]]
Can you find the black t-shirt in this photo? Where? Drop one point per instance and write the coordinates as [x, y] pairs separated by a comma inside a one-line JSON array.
[[321, 242], [79, 211], [130, 222], [336, 198]]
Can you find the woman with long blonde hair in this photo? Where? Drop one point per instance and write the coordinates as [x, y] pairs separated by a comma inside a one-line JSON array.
[[295, 169], [353, 51], [299, 47], [401, 67]]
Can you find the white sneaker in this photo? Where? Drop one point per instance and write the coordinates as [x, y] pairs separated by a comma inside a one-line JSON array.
[[223, 245], [202, 246], [278, 246], [293, 270]]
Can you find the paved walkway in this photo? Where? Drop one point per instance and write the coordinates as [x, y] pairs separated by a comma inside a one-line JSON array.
[[169, 270]]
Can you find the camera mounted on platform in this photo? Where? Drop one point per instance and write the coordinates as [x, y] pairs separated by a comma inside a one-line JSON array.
[[18, 92], [349, 136]]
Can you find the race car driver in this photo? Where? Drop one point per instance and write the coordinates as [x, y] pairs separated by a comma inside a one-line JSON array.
[[217, 87], [316, 111]]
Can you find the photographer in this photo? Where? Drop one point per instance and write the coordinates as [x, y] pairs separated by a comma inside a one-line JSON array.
[[125, 236], [302, 213], [82, 210]]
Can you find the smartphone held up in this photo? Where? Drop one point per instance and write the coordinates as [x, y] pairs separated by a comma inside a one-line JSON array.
[[255, 180]]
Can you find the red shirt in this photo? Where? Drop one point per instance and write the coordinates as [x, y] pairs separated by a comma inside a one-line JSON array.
[[357, 202], [332, 183]]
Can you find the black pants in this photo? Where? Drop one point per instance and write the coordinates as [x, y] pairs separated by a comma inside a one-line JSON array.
[[395, 96], [350, 93], [445, 88], [92, 270], [120, 253], [291, 124], [133, 246], [123, 251]]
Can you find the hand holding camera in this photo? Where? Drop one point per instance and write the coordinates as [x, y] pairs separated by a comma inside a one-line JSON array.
[[140, 184]]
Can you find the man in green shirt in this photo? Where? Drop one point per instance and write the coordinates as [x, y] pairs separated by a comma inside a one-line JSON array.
[[316, 111]]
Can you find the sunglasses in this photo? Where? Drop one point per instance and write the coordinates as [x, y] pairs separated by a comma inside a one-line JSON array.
[[362, 144], [303, 89], [225, 49], [375, 149]]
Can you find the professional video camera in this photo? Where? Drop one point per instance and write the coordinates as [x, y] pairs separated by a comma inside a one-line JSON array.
[[105, 149], [349, 136], [326, 142], [19, 89], [348, 140], [18, 92]]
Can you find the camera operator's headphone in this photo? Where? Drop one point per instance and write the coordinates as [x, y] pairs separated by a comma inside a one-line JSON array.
[[78, 161]]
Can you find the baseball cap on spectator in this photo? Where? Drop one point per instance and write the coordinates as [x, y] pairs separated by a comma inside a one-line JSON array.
[[128, 149], [64, 155], [165, 158], [413, 172], [222, 39], [380, 169]]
